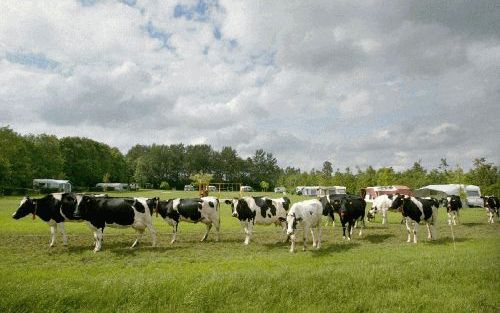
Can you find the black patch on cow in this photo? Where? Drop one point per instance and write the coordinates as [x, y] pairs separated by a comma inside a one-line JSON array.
[[190, 209], [454, 204], [102, 211], [211, 204], [264, 205], [244, 212], [286, 203], [139, 207]]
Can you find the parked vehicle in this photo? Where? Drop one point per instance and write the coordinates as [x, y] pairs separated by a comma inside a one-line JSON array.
[[246, 189], [188, 188], [280, 189]]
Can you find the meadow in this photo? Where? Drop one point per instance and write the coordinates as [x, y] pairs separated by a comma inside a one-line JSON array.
[[378, 272]]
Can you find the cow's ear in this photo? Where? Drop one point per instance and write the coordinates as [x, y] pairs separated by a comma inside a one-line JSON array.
[[281, 219], [299, 219], [227, 201]]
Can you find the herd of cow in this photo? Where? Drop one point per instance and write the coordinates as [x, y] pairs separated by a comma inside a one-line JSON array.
[[101, 211]]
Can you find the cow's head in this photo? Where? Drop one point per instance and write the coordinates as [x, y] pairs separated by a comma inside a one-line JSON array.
[[327, 207], [291, 223], [236, 205], [371, 213], [397, 203], [344, 205], [26, 206]]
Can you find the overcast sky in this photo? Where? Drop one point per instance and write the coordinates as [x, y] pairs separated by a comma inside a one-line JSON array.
[[382, 83]]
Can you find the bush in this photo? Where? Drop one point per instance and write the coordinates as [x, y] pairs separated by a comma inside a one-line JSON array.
[[164, 185]]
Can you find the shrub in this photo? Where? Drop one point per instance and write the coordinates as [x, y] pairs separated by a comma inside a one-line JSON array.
[[164, 185]]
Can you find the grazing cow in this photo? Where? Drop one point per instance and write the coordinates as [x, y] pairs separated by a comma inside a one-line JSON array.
[[116, 212], [381, 204], [204, 210], [492, 206], [416, 210], [259, 210], [453, 205], [54, 209], [309, 214]]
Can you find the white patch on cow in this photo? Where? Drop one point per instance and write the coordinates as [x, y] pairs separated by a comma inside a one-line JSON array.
[[57, 196], [175, 203], [78, 199], [419, 205], [23, 201]]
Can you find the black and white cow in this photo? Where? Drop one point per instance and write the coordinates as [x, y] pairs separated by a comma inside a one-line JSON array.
[[259, 210], [380, 204], [204, 210], [453, 205], [309, 214], [351, 209], [492, 206], [54, 209], [416, 210], [116, 212]]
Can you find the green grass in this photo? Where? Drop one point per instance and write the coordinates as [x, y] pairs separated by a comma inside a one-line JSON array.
[[378, 272]]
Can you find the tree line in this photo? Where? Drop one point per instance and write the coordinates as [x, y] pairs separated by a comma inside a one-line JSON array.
[[86, 162]]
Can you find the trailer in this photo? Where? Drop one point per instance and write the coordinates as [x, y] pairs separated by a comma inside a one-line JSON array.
[[370, 193], [52, 184]]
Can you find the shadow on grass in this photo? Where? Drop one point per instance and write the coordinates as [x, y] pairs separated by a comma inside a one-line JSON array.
[[471, 224], [333, 248], [377, 238], [122, 248], [445, 241]]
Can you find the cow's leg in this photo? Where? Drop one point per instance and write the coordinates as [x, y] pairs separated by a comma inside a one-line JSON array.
[[408, 229], [313, 237], [63, 233], [304, 236], [209, 226], [98, 239], [248, 231], [53, 230], [384, 216], [292, 246], [174, 232], [361, 229], [429, 232], [140, 233], [449, 218], [318, 242], [415, 228], [343, 230], [352, 225], [152, 231]]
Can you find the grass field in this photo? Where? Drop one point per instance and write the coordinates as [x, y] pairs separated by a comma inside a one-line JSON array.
[[378, 272]]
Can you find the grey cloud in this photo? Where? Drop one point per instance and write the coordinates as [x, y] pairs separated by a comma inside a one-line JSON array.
[[475, 19]]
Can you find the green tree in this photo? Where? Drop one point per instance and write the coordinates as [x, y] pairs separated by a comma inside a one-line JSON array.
[[264, 185]]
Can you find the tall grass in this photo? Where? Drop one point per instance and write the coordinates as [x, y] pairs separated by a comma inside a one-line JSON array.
[[378, 272]]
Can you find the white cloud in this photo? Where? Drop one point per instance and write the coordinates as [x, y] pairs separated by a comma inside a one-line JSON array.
[[356, 82]]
